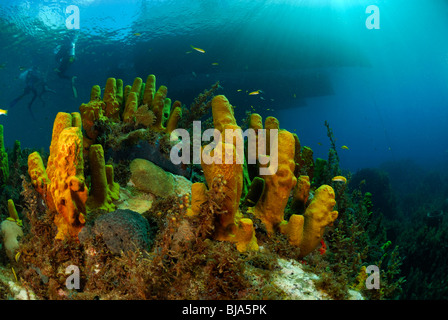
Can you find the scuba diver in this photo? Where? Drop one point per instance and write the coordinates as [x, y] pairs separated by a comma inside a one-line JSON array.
[[65, 56], [35, 84]]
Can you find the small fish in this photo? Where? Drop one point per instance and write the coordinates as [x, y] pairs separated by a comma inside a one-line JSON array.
[[194, 74], [215, 64], [294, 96], [272, 99], [339, 179], [188, 52], [17, 256], [255, 92], [239, 90], [3, 112], [262, 98], [345, 148], [137, 34], [319, 143], [14, 273], [2, 66], [197, 49]]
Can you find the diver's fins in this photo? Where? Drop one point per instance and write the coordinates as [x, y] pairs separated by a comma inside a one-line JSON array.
[[14, 102], [75, 92], [31, 112]]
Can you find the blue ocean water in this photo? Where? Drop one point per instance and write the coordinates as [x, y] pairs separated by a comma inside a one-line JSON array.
[[383, 91]]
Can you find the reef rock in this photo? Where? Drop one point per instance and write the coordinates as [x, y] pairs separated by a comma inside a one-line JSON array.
[[11, 233], [121, 230], [148, 177]]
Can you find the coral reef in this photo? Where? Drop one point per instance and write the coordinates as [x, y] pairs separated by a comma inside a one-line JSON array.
[[232, 231]]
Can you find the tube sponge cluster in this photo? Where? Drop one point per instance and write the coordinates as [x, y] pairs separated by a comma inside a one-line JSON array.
[[303, 231], [62, 183], [269, 194], [139, 104]]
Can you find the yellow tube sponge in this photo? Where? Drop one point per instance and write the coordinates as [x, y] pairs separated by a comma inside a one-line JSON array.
[[113, 97], [306, 231], [62, 184], [175, 115], [230, 225], [300, 194], [103, 188], [157, 107], [131, 107], [150, 90], [270, 123], [245, 236], [12, 210], [294, 229], [38, 175], [198, 198], [232, 173], [318, 215], [93, 111], [255, 121], [270, 208], [67, 186], [63, 120]]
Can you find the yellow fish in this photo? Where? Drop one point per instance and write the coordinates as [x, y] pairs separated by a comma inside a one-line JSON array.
[[215, 64], [137, 34], [339, 179], [5, 112], [345, 147], [255, 92], [239, 90], [198, 49]]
